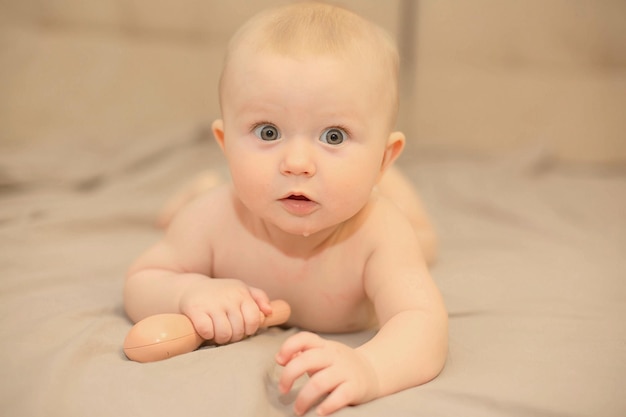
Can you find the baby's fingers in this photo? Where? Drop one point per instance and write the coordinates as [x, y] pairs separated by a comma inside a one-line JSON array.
[[252, 317], [223, 329], [323, 382], [203, 325], [340, 397], [309, 362], [262, 300], [237, 326], [296, 344]]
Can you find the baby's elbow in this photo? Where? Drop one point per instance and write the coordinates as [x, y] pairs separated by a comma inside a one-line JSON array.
[[432, 367], [441, 353], [438, 363], [438, 354]]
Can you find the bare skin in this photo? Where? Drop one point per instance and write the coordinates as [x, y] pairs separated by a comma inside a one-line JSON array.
[[315, 215], [326, 293], [393, 185]]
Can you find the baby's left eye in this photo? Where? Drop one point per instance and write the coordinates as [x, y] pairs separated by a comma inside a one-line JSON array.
[[333, 136]]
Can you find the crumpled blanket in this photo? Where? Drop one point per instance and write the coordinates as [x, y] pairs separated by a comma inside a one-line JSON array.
[[532, 270]]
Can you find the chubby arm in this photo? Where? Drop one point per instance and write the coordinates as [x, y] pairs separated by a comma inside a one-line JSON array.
[[396, 187], [173, 276], [410, 347]]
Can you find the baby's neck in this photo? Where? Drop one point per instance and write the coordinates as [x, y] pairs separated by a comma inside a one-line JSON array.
[[305, 245], [296, 245]]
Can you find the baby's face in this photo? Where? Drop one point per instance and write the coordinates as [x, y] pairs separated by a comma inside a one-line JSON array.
[[304, 137]]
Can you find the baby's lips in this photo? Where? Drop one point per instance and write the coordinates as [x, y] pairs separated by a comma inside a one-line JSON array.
[[297, 195]]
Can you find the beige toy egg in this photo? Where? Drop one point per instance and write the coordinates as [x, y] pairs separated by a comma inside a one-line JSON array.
[[162, 336]]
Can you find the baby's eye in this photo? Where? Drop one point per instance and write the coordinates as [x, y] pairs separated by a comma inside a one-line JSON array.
[[333, 136], [267, 132]]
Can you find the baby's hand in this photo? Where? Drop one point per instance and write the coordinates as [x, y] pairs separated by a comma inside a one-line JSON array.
[[334, 369], [224, 310]]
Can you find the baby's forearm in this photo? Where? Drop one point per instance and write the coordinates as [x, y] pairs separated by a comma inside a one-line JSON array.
[[154, 291], [409, 350]]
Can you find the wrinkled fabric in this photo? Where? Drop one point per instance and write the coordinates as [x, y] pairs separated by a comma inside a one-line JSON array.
[[532, 270]]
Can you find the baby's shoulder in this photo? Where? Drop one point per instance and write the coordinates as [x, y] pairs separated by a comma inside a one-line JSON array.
[[206, 210], [384, 218], [214, 199]]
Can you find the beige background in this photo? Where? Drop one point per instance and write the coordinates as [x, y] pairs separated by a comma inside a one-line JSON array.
[[482, 75]]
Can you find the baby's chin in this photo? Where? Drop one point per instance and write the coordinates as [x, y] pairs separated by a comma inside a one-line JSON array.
[[318, 225], [305, 228], [304, 233]]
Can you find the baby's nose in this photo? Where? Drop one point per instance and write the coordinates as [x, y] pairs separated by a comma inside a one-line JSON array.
[[298, 158]]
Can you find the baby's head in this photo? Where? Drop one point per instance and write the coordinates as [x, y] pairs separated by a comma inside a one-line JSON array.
[[309, 99], [311, 29]]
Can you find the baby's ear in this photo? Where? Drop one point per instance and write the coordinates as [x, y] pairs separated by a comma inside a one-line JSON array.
[[218, 132], [393, 149]]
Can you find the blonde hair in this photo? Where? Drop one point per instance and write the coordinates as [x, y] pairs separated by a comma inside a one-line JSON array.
[[320, 29]]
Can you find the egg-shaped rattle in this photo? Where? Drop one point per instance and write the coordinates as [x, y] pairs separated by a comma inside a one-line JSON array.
[[162, 336]]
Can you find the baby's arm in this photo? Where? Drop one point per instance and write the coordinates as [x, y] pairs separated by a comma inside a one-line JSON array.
[[398, 188], [409, 349], [173, 277], [197, 186]]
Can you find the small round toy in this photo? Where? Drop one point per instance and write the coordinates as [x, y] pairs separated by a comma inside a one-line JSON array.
[[162, 336]]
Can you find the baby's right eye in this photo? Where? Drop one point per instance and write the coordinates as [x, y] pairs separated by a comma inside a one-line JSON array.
[[267, 132]]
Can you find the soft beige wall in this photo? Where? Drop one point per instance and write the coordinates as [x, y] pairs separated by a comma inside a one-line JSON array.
[[485, 75], [500, 75], [114, 69]]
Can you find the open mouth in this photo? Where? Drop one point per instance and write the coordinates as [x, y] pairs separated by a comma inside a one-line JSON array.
[[298, 197], [299, 204]]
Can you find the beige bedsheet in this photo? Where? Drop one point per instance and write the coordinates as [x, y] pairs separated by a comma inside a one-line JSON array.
[[532, 270]]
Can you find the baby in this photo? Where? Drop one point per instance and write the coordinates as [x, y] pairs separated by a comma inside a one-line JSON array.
[[315, 215]]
